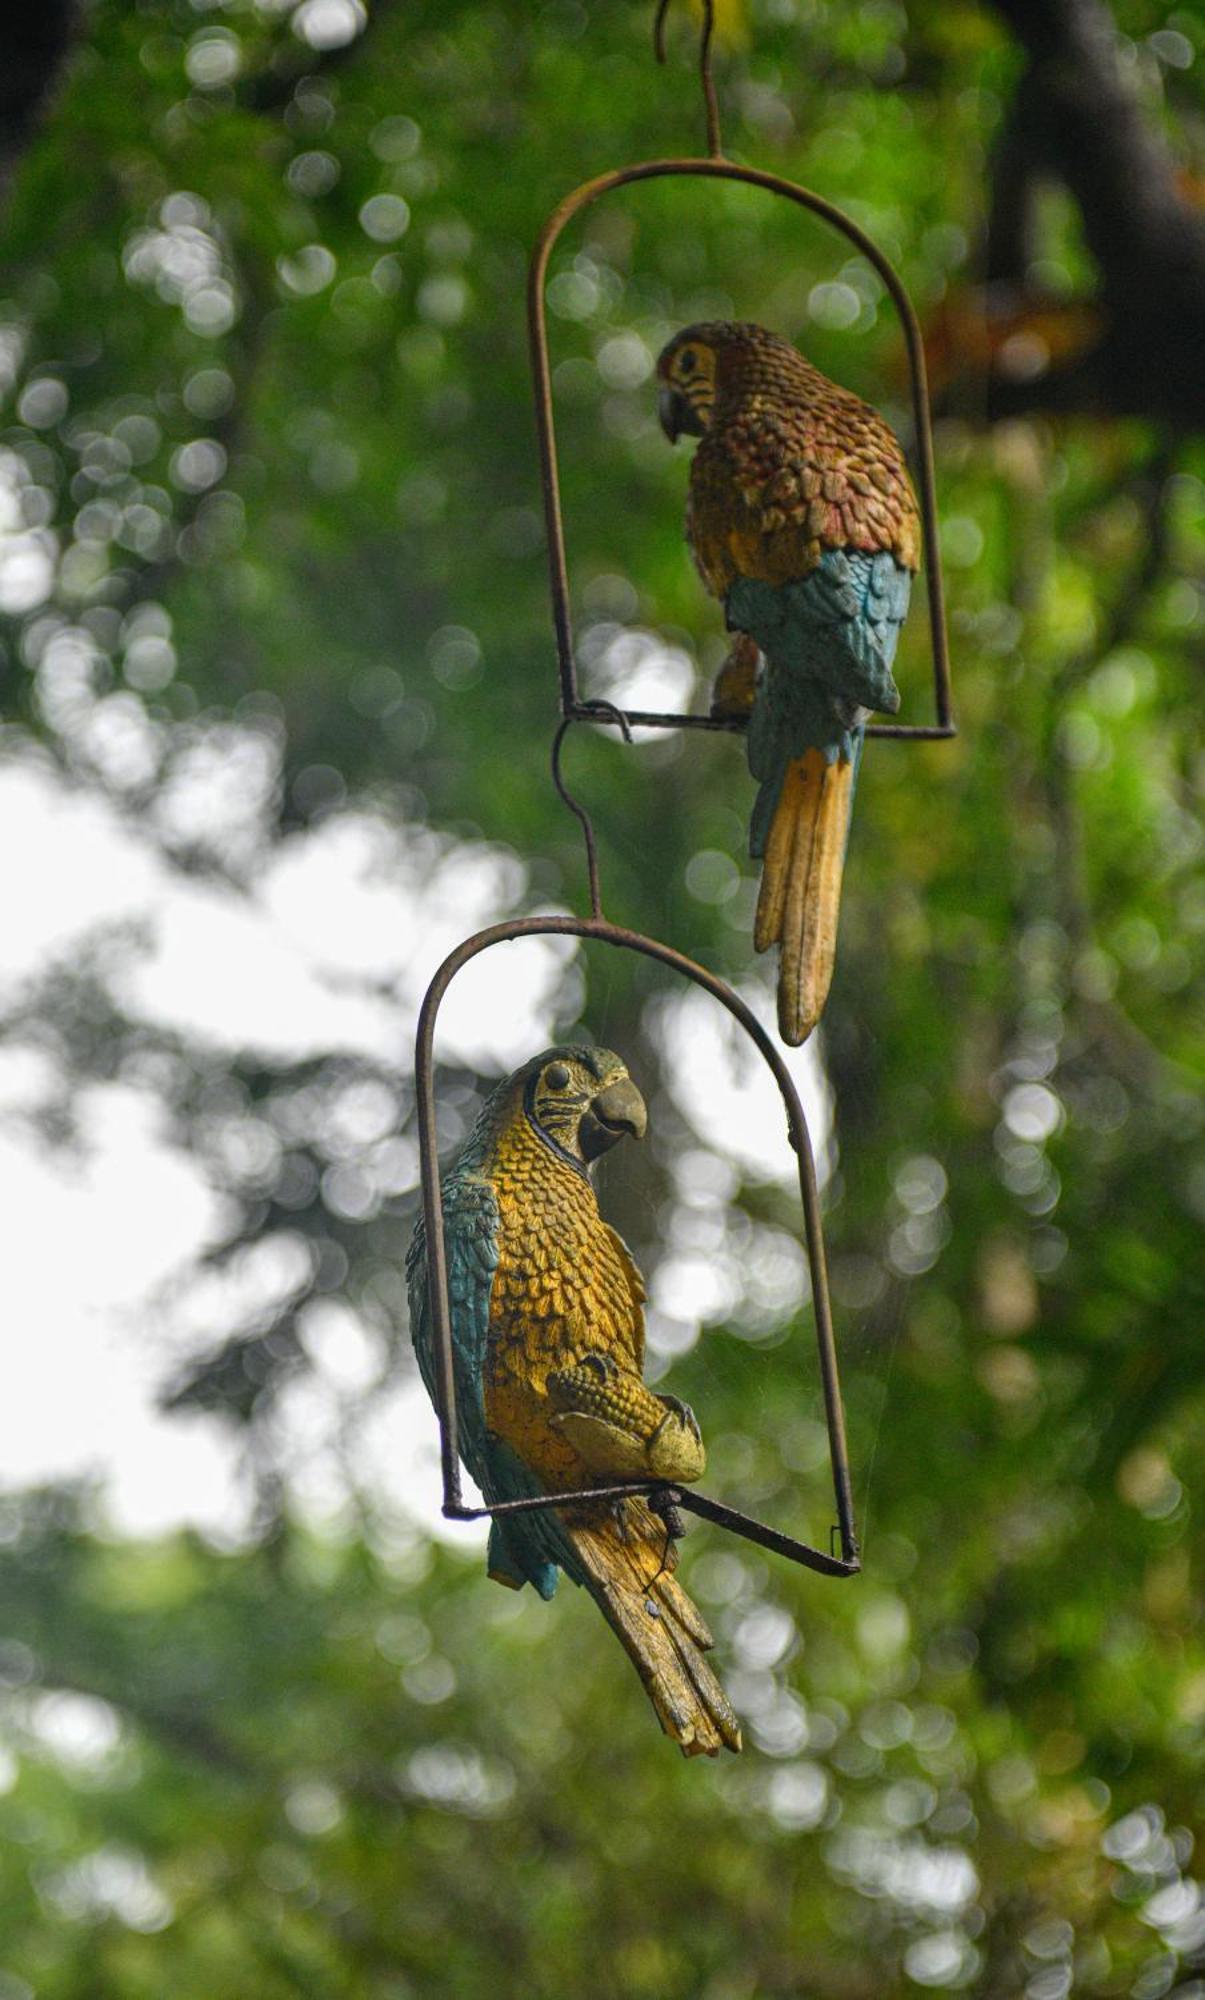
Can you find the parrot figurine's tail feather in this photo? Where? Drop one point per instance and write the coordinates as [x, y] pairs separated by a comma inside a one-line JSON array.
[[660, 1629], [800, 897]]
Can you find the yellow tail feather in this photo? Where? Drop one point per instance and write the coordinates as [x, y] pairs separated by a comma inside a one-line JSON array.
[[800, 897], [661, 1630]]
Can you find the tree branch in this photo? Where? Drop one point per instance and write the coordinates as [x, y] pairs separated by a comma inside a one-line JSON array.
[[33, 43], [1077, 115]]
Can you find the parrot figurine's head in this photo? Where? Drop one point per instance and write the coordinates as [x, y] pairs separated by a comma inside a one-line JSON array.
[[579, 1101], [700, 363], [686, 377]]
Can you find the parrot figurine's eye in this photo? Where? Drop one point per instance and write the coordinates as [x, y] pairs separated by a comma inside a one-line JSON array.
[[556, 1076], [688, 358]]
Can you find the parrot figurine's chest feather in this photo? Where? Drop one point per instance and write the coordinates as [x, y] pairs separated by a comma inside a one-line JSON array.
[[564, 1286]]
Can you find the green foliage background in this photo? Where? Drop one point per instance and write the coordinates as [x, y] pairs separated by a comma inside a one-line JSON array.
[[341, 1763]]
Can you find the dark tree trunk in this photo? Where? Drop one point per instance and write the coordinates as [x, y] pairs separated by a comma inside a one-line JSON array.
[[34, 39], [1076, 116]]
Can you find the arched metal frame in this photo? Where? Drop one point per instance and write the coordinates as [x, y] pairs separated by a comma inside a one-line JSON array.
[[718, 168], [597, 928]]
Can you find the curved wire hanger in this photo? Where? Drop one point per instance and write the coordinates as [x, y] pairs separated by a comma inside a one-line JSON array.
[[714, 166]]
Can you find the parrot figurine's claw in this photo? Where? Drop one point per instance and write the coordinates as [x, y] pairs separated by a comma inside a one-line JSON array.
[[735, 687], [684, 1411], [675, 1450]]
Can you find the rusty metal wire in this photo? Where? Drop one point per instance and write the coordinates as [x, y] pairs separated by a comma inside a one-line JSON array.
[[710, 101], [597, 711]]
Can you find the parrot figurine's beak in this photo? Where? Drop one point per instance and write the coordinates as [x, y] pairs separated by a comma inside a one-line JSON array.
[[677, 414], [670, 412], [617, 1109]]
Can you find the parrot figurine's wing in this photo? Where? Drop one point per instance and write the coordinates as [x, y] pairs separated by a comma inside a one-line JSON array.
[[470, 1210], [520, 1551], [832, 633]]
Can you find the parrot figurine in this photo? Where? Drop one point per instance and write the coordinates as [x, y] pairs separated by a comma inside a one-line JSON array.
[[801, 518], [548, 1343]]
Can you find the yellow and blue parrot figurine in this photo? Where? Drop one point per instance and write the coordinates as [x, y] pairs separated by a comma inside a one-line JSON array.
[[801, 518], [548, 1347]]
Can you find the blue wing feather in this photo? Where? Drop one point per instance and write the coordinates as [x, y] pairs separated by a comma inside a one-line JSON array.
[[829, 640], [527, 1549], [471, 1248]]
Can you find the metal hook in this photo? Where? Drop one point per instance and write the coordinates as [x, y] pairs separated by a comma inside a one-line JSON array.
[[590, 711], [710, 101]]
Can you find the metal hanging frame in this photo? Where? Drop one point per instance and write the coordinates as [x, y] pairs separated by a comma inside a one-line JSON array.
[[597, 928], [716, 167]]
